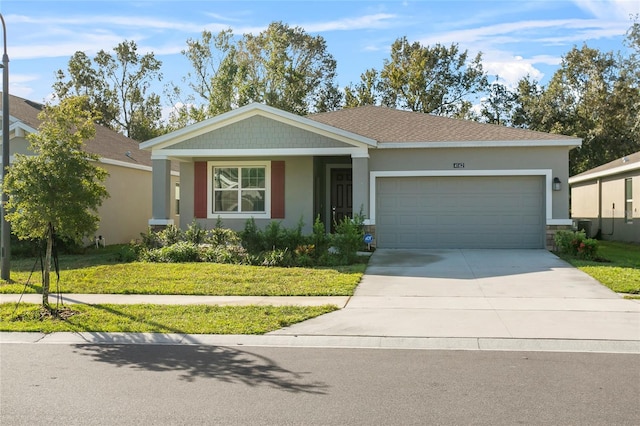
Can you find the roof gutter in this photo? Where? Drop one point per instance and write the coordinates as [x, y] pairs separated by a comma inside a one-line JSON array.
[[481, 144], [604, 173]]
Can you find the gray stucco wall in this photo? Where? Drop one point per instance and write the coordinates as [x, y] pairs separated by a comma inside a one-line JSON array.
[[516, 158], [298, 195], [259, 132]]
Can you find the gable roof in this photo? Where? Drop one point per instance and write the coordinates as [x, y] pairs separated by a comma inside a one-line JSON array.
[[621, 165], [107, 144], [393, 126], [252, 110]]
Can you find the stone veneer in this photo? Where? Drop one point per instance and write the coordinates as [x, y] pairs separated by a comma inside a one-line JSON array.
[[551, 232]]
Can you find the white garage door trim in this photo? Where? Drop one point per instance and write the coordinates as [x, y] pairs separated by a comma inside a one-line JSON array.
[[547, 173]]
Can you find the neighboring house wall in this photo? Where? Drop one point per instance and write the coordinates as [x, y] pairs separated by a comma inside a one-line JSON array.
[[124, 215], [19, 145], [600, 205]]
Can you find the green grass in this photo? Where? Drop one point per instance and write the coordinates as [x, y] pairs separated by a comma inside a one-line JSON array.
[[194, 319], [98, 273], [621, 274]]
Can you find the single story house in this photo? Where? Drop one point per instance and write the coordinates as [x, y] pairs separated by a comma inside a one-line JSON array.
[[605, 200], [419, 181], [125, 214]]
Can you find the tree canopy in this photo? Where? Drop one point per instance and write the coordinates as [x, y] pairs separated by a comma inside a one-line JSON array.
[[118, 88], [594, 95], [281, 66], [432, 79]]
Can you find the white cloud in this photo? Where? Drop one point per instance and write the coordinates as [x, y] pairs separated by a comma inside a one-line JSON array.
[[609, 10], [375, 21], [511, 69], [20, 84]]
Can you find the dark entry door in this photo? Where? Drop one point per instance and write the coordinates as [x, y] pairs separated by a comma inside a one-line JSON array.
[[341, 195]]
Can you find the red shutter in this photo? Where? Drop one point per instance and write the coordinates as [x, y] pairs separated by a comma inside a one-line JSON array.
[[200, 189], [277, 190]]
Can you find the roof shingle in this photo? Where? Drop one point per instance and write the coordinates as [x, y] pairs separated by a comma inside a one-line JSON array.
[[106, 144], [392, 125]]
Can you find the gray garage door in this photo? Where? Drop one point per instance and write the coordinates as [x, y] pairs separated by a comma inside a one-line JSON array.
[[460, 212]]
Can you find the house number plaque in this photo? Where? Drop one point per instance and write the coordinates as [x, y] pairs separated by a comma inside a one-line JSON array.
[[458, 165]]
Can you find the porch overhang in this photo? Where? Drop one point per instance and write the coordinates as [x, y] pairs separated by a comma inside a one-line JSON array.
[[189, 155]]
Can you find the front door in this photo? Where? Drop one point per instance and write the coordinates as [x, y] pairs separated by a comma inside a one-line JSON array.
[[341, 195]]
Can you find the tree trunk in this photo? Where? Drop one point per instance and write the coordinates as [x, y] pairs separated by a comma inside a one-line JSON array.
[[47, 269]]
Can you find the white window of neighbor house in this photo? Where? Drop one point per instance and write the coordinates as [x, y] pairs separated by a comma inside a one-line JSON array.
[[177, 198], [628, 197], [240, 189]]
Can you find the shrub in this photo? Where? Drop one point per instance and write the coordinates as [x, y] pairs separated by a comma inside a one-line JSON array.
[[278, 257], [231, 254], [170, 235], [150, 239], [293, 238], [576, 244], [129, 253], [176, 253], [251, 238], [587, 249], [195, 233], [319, 239], [348, 237], [223, 237], [273, 237]]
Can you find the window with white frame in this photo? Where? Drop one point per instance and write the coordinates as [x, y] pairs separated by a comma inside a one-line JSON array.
[[239, 190], [628, 198], [177, 197]]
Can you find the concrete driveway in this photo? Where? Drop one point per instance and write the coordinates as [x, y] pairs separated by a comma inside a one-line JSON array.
[[499, 294]]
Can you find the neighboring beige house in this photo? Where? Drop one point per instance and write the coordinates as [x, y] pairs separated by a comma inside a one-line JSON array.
[[124, 215], [420, 181], [605, 201]]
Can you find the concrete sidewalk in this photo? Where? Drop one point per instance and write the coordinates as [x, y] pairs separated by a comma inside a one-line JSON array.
[[526, 300]]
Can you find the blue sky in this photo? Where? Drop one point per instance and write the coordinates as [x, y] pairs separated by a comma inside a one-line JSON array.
[[516, 37]]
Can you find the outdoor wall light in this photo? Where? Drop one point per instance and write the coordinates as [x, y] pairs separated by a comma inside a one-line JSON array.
[[557, 185]]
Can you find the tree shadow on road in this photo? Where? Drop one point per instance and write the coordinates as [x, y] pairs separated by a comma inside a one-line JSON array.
[[197, 361]]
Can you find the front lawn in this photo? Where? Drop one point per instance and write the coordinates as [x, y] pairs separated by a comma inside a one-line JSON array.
[[98, 273], [622, 271], [194, 319]]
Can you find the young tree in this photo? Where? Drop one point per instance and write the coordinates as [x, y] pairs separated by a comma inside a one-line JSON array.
[[118, 89], [56, 191]]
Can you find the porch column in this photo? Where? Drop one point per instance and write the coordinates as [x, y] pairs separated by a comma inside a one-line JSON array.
[[161, 196], [360, 174]]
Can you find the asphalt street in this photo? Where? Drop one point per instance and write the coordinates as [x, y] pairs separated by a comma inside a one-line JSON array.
[[234, 385]]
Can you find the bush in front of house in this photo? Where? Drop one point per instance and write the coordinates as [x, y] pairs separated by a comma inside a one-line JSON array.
[[272, 246], [576, 243], [348, 238]]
